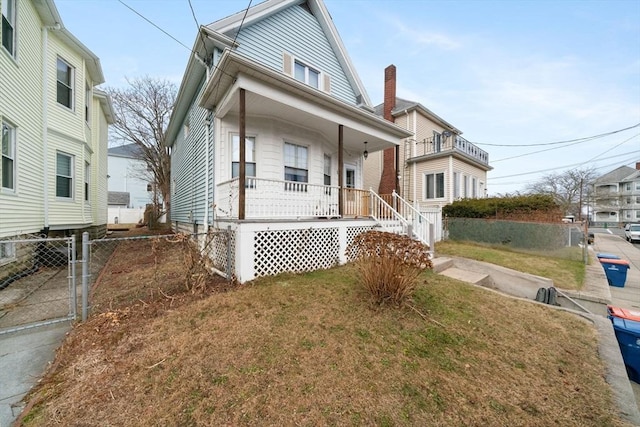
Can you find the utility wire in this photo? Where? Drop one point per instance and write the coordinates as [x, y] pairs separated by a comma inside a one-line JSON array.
[[561, 167], [550, 149], [588, 138], [152, 23], [204, 45], [612, 148]]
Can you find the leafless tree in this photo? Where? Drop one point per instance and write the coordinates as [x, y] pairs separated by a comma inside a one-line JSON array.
[[142, 113], [570, 188]]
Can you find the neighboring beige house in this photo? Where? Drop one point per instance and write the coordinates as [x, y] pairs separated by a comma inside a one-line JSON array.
[[435, 167], [615, 197], [53, 174]]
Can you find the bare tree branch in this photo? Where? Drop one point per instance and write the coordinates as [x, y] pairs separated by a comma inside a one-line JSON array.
[[142, 113], [570, 188]]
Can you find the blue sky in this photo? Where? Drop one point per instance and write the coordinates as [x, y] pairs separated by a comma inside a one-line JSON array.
[[508, 73]]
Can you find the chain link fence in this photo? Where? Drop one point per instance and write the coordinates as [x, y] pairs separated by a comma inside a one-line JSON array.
[[550, 239], [47, 280], [37, 282], [165, 264]]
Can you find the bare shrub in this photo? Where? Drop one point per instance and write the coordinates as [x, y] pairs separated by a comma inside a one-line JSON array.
[[389, 265]]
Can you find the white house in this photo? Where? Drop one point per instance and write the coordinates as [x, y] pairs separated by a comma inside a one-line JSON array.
[[615, 197], [128, 174], [54, 128], [280, 80]]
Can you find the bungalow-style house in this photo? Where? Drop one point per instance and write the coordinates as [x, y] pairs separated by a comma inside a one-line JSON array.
[[54, 128], [431, 169], [279, 79], [127, 174], [615, 197]]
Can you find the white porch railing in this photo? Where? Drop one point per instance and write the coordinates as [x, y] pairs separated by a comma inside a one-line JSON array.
[[423, 230], [388, 218], [270, 198]]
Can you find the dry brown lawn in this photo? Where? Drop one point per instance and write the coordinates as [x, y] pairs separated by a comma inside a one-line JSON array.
[[311, 350]]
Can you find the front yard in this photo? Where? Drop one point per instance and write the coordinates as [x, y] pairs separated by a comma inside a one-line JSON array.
[[311, 350]]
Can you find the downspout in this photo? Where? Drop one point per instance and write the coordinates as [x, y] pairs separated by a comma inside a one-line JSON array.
[[45, 93], [207, 130], [413, 154]]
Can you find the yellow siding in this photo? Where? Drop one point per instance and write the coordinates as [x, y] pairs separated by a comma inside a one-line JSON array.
[[21, 105], [372, 171]]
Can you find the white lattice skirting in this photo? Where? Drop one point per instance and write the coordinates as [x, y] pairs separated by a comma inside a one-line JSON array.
[[265, 249]]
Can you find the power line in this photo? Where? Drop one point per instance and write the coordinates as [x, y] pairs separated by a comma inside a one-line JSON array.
[[561, 167], [549, 149], [612, 148], [587, 138], [158, 27], [204, 45]]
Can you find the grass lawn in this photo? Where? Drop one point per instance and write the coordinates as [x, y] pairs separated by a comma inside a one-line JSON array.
[[565, 268], [311, 350]]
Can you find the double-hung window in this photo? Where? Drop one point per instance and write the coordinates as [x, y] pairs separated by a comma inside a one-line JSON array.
[[64, 176], [9, 26], [306, 74], [87, 102], [434, 185], [8, 165], [64, 87], [456, 185], [250, 156], [295, 166]]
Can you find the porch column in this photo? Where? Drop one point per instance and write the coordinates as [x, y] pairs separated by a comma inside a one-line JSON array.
[[340, 170], [242, 178]]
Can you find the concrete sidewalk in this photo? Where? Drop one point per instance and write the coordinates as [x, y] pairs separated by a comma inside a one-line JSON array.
[[24, 357], [628, 296]]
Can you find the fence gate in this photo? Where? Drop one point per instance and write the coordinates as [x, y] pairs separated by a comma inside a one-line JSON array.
[[37, 282]]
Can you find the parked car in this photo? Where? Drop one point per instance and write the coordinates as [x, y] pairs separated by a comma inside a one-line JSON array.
[[632, 232]]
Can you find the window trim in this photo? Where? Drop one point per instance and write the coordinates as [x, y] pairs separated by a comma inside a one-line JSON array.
[[87, 182], [236, 137], [295, 185], [70, 86], [87, 103], [437, 195], [12, 155], [12, 23], [307, 68], [70, 178]]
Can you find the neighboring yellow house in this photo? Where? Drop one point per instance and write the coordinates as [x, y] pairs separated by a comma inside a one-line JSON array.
[[54, 123], [435, 167]]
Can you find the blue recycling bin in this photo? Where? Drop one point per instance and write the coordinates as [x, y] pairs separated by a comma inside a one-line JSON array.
[[601, 255], [616, 271], [628, 334]]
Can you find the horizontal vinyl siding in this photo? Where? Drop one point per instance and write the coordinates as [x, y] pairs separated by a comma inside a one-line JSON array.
[[425, 128], [432, 166], [21, 105], [188, 162], [59, 117], [373, 171], [472, 172], [99, 164], [295, 31]]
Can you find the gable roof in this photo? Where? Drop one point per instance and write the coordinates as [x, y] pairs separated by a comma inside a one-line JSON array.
[[615, 176], [231, 24], [403, 105], [129, 151], [221, 34], [118, 198], [51, 18]]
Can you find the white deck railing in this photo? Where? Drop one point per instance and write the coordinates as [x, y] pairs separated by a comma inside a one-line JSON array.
[[270, 198]]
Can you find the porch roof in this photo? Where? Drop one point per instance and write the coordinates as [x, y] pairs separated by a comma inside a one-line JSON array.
[[273, 94]]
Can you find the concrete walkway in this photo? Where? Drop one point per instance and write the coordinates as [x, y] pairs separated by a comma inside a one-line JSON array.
[[24, 357]]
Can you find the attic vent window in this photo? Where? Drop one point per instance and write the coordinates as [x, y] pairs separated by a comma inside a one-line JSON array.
[[306, 74]]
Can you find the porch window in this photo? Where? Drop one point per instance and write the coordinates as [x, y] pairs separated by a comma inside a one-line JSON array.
[[434, 185], [295, 166], [465, 186], [65, 84], [9, 25], [474, 189], [250, 156], [8, 165], [327, 170], [306, 74], [64, 176]]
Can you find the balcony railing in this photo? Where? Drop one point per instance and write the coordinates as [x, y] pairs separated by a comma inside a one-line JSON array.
[[443, 144]]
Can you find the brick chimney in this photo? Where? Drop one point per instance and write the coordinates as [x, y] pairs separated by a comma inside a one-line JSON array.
[[638, 166], [388, 179]]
